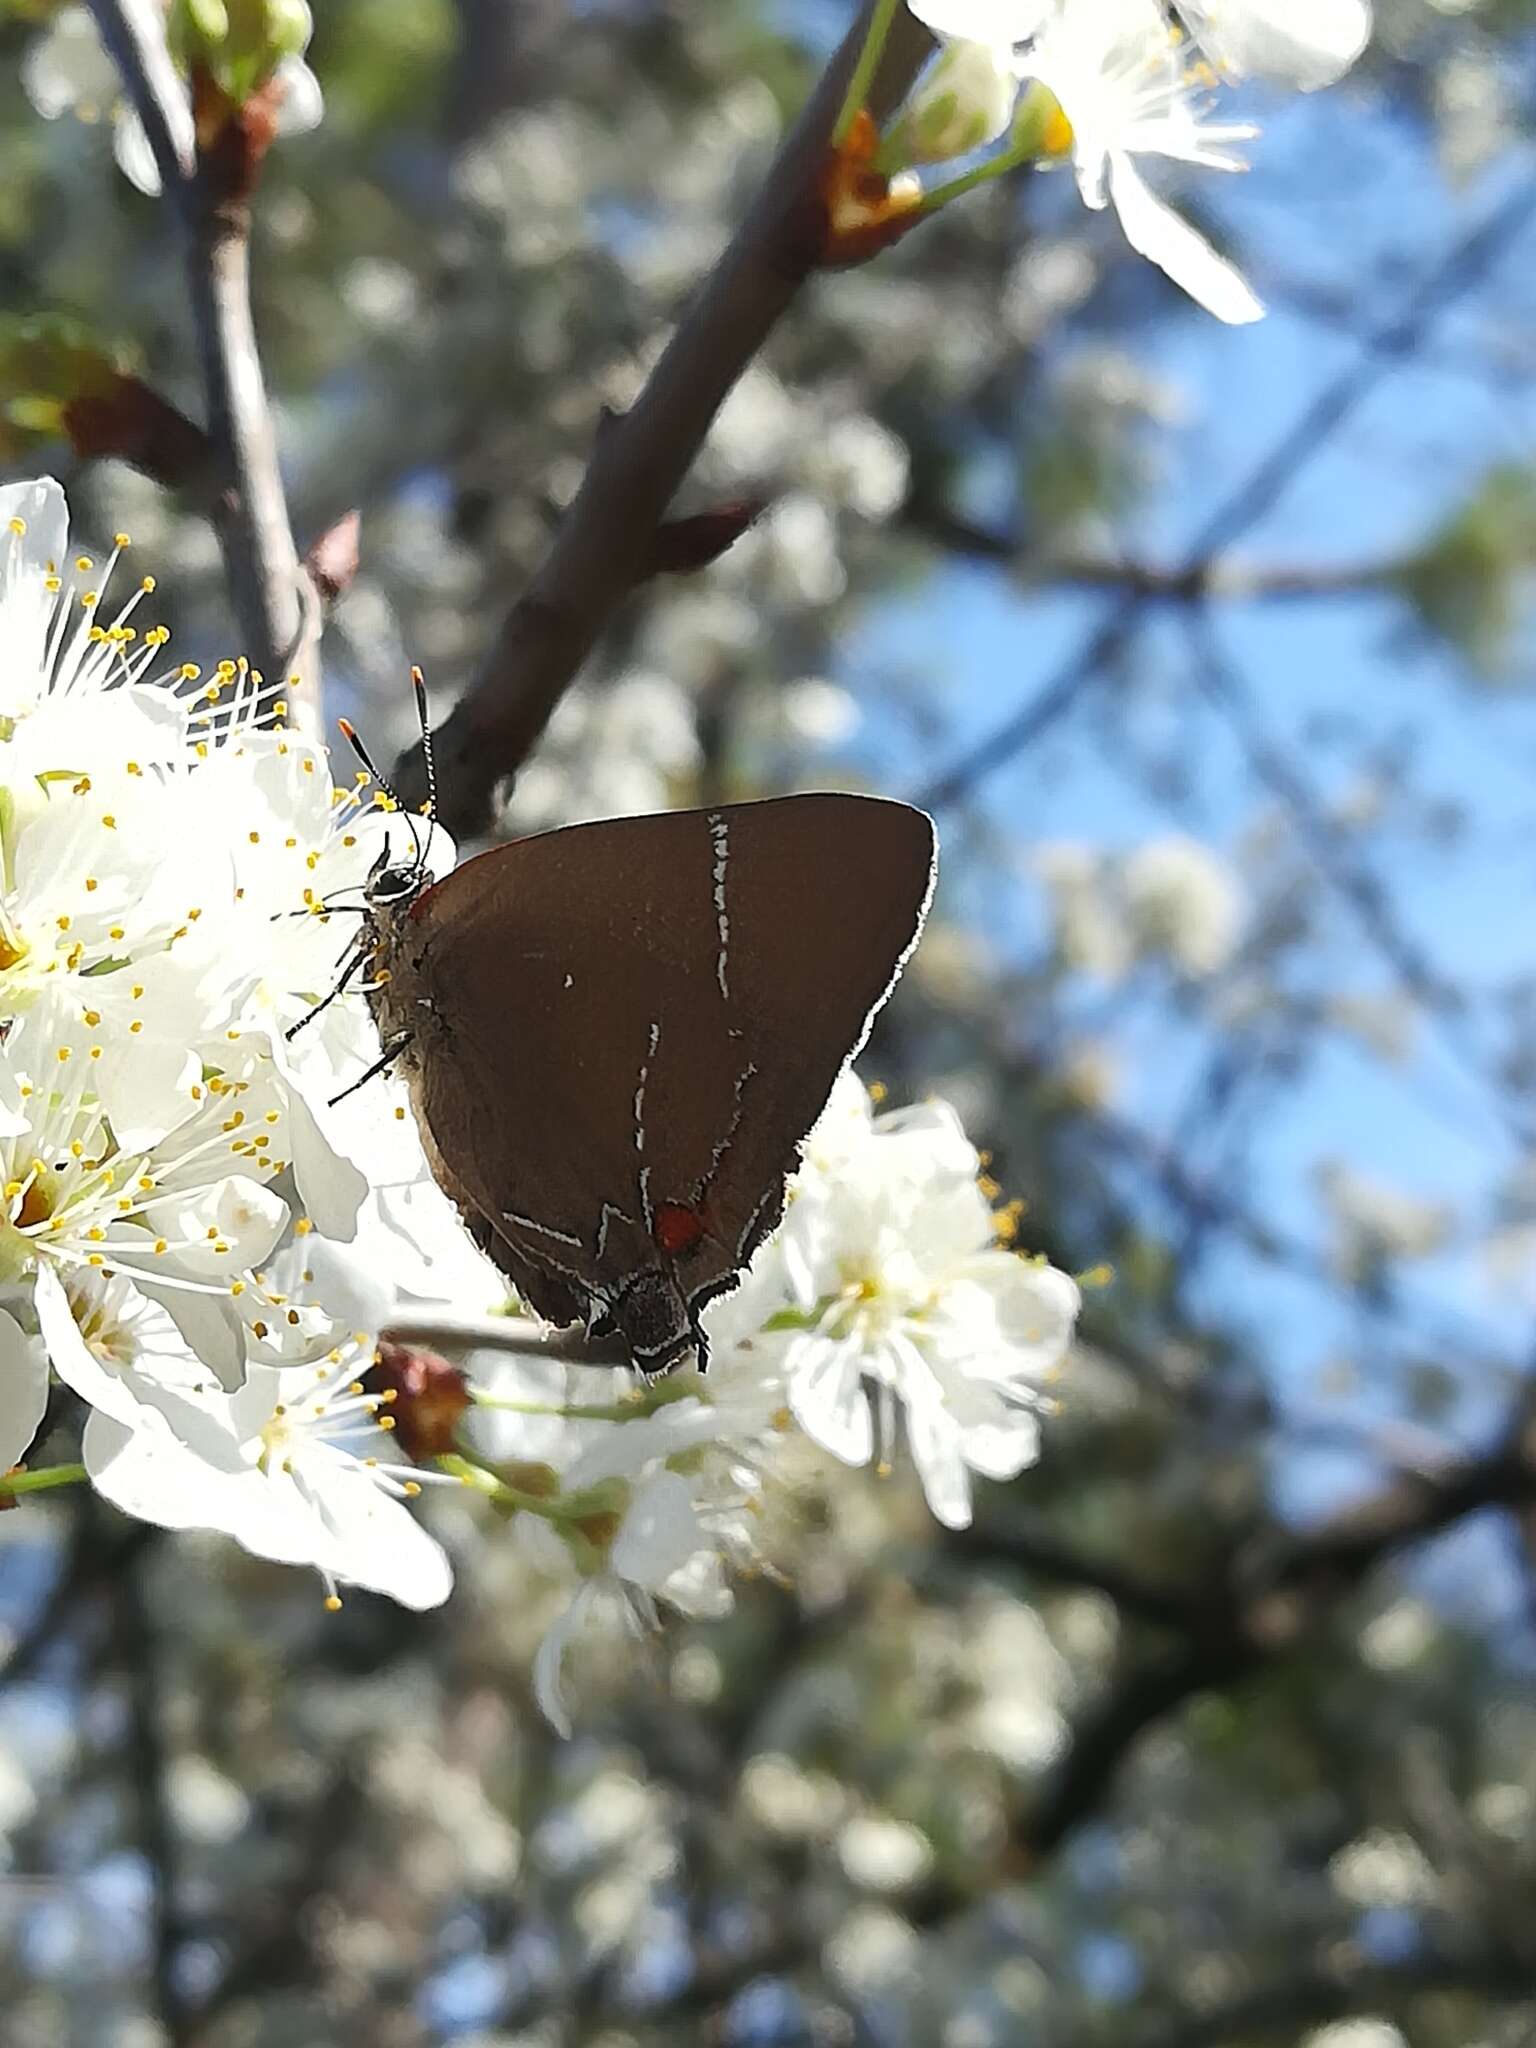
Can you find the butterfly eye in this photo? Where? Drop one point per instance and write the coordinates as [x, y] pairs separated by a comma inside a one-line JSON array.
[[392, 885]]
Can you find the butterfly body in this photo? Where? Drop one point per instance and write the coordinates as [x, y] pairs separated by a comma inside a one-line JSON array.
[[617, 1035]]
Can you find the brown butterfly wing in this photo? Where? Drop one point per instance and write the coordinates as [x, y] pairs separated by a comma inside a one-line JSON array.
[[652, 1011]]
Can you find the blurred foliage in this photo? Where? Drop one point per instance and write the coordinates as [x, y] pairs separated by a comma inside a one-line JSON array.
[[1035, 1783]]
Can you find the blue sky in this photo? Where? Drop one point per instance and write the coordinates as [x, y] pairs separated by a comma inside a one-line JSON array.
[[1345, 208]]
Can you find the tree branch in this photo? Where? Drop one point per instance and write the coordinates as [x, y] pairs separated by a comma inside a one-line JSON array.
[[508, 1334], [1277, 1592], [1462, 266], [639, 460], [139, 1654], [275, 603], [1329, 1988], [276, 607], [1174, 583], [134, 34], [1034, 1551]]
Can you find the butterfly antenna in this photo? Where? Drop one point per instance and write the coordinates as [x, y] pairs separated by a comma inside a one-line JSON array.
[[419, 685], [350, 734]]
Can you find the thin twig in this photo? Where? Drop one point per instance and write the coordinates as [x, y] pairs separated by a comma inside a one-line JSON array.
[[273, 598], [134, 34], [1323, 1988], [640, 459], [276, 607], [1272, 1598], [507, 1334], [141, 1653], [1463, 266]]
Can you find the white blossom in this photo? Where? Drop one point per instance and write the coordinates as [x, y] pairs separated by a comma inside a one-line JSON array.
[[900, 1288], [964, 101], [67, 70], [1182, 900], [1305, 43], [292, 1466], [1128, 91]]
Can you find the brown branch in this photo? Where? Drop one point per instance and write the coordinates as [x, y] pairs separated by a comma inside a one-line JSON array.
[[639, 460], [1033, 1550], [1330, 1988], [1186, 583], [275, 604], [1275, 1595], [141, 1651]]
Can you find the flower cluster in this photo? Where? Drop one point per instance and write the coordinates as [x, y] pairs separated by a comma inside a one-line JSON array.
[[887, 1293], [175, 866], [228, 1266], [1105, 82], [68, 70]]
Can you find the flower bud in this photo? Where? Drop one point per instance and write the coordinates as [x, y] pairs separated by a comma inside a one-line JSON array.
[[240, 43], [964, 102], [430, 1396]]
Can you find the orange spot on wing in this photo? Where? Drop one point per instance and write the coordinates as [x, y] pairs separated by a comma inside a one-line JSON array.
[[676, 1228]]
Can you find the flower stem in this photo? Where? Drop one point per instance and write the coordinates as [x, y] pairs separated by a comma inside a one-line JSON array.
[[513, 1499], [634, 1409], [982, 174], [864, 71], [20, 1481]]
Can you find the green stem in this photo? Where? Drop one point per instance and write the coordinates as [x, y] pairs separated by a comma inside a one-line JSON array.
[[632, 1410], [554, 1507], [15, 1483], [982, 174], [864, 71]]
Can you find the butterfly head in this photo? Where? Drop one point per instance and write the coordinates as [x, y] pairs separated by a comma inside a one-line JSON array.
[[395, 884]]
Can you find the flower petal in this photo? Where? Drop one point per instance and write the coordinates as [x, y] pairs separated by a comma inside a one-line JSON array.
[[827, 1397], [1164, 238], [23, 1390]]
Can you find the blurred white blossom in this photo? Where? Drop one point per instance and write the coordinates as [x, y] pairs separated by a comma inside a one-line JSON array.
[[1382, 1868], [1169, 899], [67, 71]]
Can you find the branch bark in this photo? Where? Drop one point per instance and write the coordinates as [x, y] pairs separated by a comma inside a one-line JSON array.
[[640, 459], [1330, 1989], [1276, 1593], [277, 609]]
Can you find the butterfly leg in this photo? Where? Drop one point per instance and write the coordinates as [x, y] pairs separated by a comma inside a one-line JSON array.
[[386, 1059]]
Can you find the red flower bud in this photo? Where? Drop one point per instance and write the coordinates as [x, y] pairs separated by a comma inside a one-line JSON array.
[[426, 1394]]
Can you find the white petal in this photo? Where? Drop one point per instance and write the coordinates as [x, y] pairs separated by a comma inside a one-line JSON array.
[[330, 1186], [23, 1390], [1305, 43], [660, 1531], [1158, 233], [548, 1660], [375, 1540], [147, 1473], [303, 103], [135, 158], [211, 1325], [623, 1449], [239, 1213], [1003, 1450], [1037, 1308], [72, 1358], [981, 21], [40, 505], [827, 1398], [938, 1453], [69, 67]]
